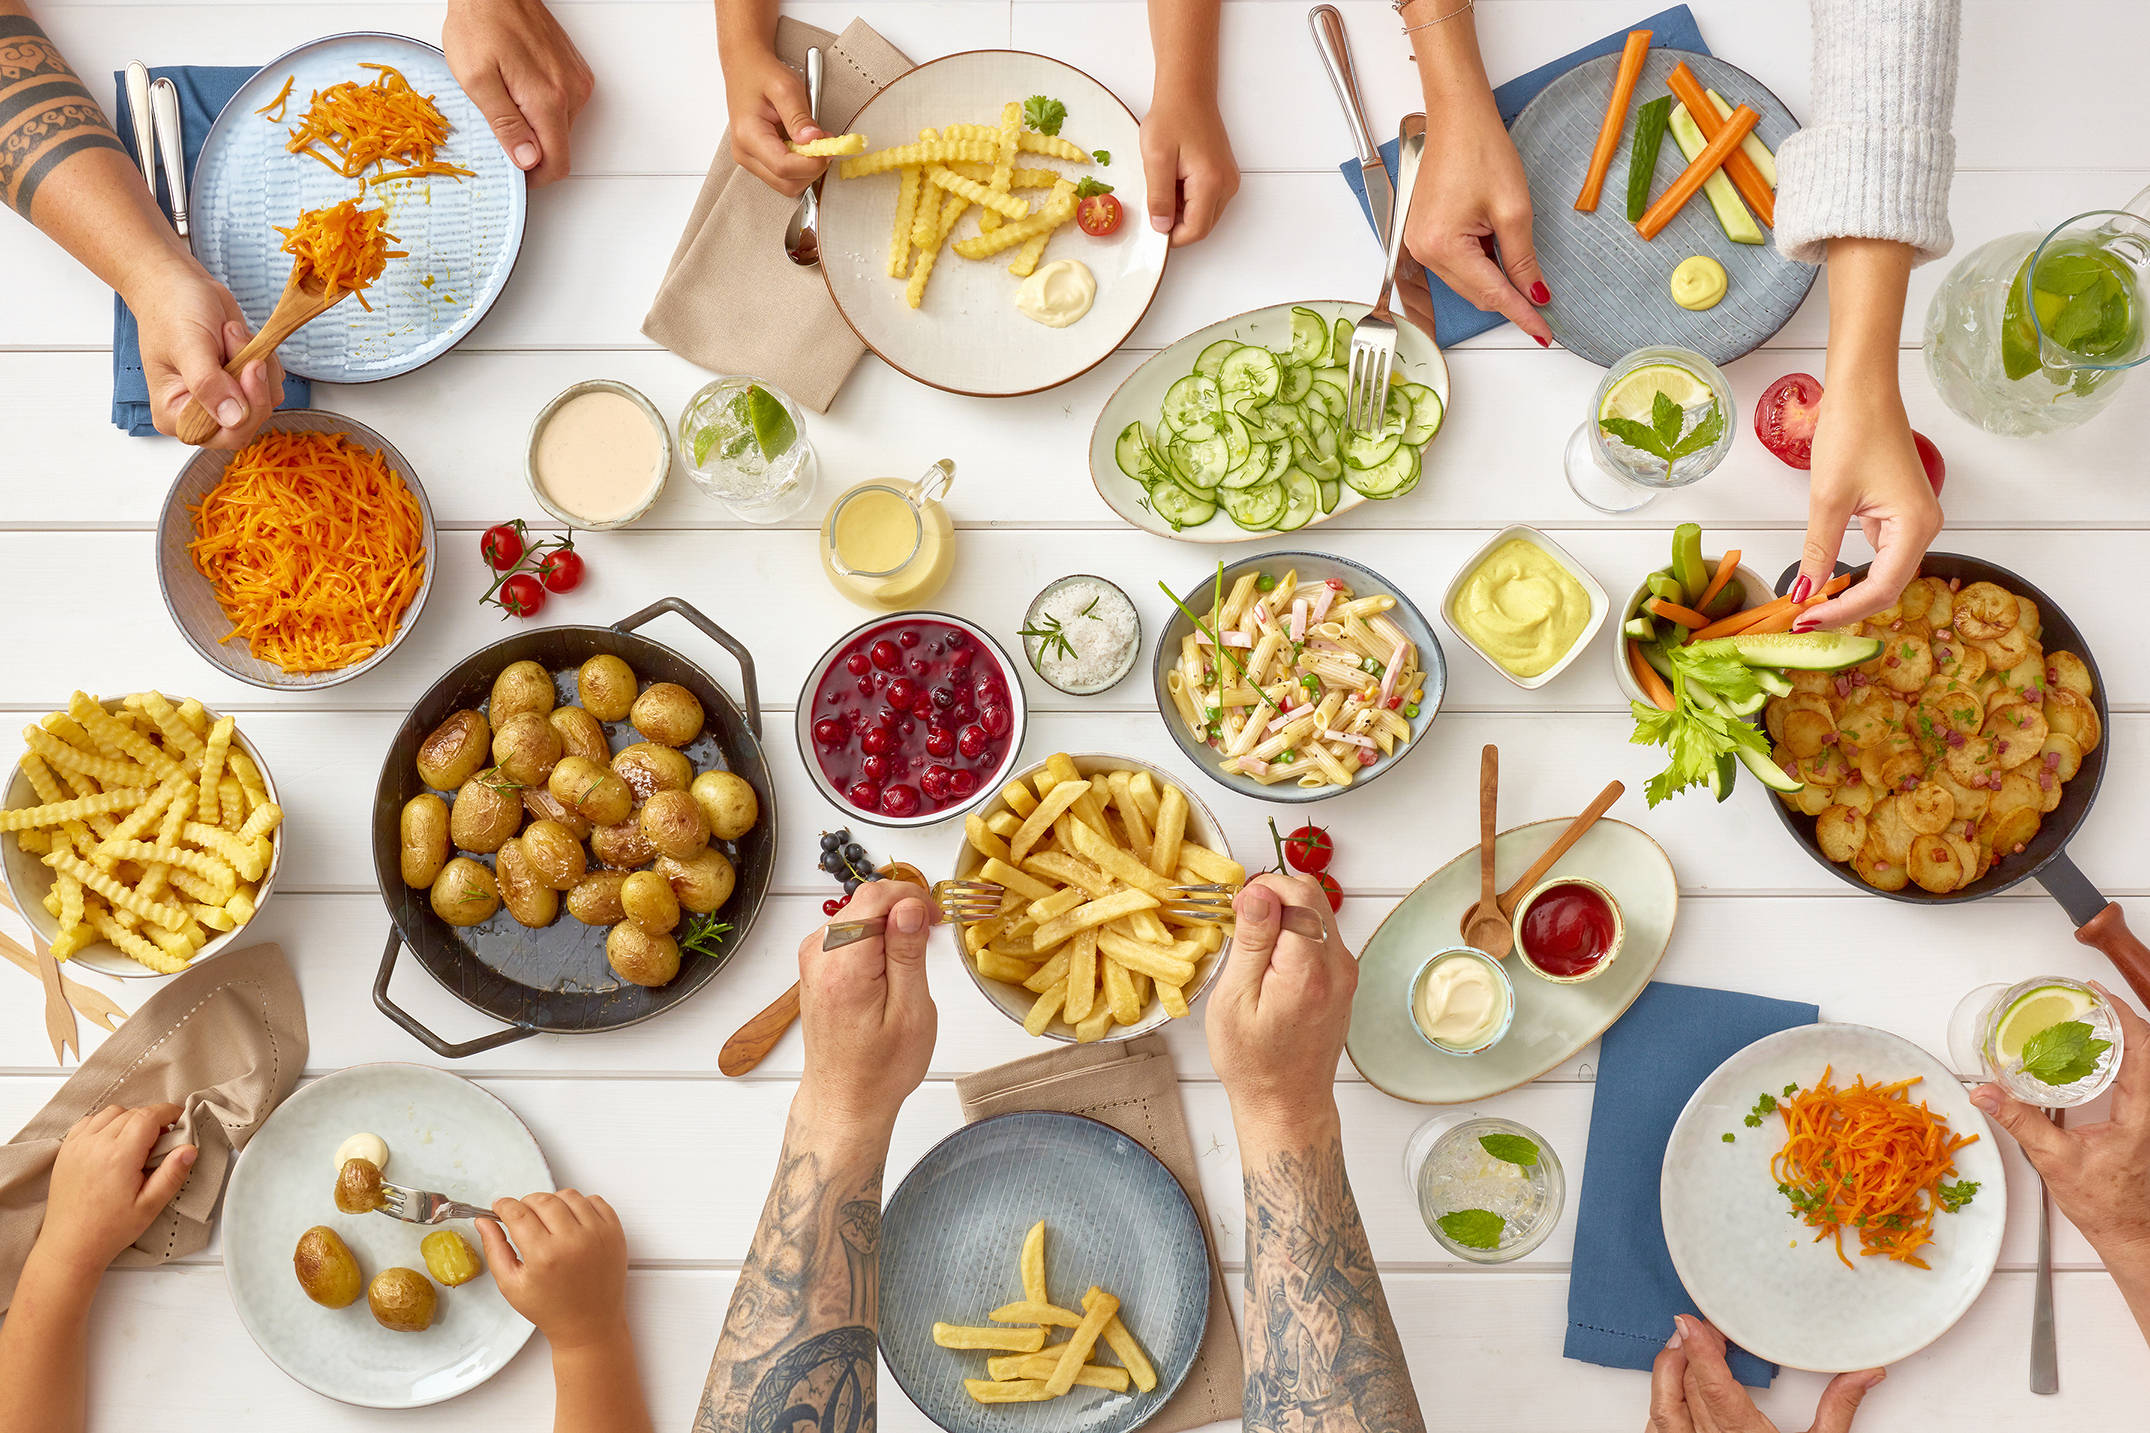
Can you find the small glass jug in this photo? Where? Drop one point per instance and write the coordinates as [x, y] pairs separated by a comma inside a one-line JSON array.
[[888, 545]]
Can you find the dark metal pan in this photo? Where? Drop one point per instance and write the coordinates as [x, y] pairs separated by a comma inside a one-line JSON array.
[[2098, 922], [555, 979]]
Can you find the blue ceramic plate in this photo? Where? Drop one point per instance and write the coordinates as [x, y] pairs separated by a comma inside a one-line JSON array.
[[1114, 1217], [1612, 291], [462, 235]]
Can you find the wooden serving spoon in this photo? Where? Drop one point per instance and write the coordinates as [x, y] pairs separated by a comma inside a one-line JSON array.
[[1513, 896], [1487, 928], [305, 298]]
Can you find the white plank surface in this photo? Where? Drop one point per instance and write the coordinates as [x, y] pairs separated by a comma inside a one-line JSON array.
[[78, 505]]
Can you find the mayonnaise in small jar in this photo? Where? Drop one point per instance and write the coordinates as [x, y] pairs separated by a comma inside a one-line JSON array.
[[1462, 1001]]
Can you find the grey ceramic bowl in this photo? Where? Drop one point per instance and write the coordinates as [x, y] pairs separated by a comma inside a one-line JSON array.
[[662, 475], [191, 600]]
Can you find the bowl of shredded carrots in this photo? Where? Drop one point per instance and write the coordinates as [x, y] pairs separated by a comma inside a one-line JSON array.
[[300, 560]]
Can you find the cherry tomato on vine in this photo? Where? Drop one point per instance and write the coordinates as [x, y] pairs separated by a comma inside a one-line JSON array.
[[521, 596], [1331, 889], [1309, 849], [502, 545], [1099, 215], [561, 569]]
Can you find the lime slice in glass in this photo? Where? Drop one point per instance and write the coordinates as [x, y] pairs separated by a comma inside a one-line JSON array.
[[1635, 395], [2040, 1009], [703, 442], [773, 428]]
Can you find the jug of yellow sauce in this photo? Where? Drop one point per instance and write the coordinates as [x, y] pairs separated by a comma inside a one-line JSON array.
[[888, 545]]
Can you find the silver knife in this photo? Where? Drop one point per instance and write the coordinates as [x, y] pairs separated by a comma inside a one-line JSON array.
[[164, 109], [2045, 1356], [1328, 28], [145, 141]]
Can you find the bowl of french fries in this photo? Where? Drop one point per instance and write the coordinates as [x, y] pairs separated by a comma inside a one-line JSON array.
[[1091, 851], [139, 834]]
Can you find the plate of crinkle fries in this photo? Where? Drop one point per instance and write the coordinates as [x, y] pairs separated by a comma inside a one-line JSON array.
[[138, 834], [961, 183]]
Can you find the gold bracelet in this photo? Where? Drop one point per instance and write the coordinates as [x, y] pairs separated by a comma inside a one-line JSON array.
[[1429, 24]]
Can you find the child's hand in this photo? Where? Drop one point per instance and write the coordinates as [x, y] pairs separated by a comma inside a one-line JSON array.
[[567, 1272], [100, 1200], [1188, 155], [768, 111]]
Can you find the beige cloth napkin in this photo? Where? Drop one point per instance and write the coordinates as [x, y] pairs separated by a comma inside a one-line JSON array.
[[225, 1041], [731, 300], [1130, 1085]]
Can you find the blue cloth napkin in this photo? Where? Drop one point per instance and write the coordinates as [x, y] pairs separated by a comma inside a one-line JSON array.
[[1455, 318], [1622, 1291], [203, 89]]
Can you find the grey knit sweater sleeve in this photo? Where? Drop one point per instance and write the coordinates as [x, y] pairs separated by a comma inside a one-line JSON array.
[[1876, 156]]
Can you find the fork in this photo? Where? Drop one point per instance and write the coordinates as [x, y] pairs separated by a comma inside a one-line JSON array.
[[2045, 1355], [422, 1206], [1209, 904], [1373, 338], [961, 902]]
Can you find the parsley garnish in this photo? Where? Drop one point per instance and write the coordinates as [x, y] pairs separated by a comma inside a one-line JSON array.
[[1089, 187], [1044, 115], [1729, 1137], [1953, 1197], [2062, 1054], [1102, 156]]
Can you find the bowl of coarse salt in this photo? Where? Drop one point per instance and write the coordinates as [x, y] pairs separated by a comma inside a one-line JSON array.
[[1082, 635]]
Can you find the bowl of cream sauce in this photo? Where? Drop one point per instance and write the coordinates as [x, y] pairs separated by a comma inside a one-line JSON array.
[[599, 455]]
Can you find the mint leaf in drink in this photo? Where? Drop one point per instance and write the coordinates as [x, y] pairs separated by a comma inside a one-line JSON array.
[[1474, 1228], [2062, 1054], [1510, 1147], [1706, 432], [1639, 436], [1044, 115], [1955, 1196], [1666, 418]]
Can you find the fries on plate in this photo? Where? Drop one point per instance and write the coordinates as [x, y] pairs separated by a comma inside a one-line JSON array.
[[1032, 1370]]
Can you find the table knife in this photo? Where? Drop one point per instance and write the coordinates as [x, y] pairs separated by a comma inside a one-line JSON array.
[[1328, 28], [2045, 1355], [171, 141], [145, 137]]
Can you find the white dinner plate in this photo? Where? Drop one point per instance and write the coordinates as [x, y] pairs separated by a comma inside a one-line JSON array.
[[1142, 394], [444, 1134], [462, 234], [1552, 1021], [1754, 1267], [966, 336]]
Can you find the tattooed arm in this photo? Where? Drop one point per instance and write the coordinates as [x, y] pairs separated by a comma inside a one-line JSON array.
[[1322, 1351], [798, 1342], [63, 169]]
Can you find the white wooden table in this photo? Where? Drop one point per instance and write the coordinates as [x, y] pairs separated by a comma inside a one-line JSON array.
[[642, 1115]]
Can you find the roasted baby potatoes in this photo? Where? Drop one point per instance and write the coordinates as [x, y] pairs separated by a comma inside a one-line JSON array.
[[325, 1268], [646, 898], [674, 824], [464, 893], [402, 1300], [602, 798], [525, 746], [449, 1257], [423, 832], [622, 845], [700, 882], [667, 712], [457, 750], [580, 734], [521, 687], [553, 854], [358, 1187], [728, 804], [649, 768], [529, 897], [639, 957], [606, 686], [487, 811], [544, 806], [596, 898]]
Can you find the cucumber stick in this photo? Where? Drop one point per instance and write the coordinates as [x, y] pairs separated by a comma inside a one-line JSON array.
[[1650, 122], [1732, 215]]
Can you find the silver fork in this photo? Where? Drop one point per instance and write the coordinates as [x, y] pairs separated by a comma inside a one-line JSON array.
[[1213, 904], [422, 1206], [961, 903], [2045, 1355], [1373, 338]]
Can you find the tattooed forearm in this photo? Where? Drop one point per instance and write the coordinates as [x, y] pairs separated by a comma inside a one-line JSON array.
[[1322, 1351], [797, 1351], [46, 116]]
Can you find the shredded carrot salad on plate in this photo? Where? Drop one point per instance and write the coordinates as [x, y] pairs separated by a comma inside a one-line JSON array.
[[360, 125], [344, 244], [1866, 1158], [314, 548], [283, 97]]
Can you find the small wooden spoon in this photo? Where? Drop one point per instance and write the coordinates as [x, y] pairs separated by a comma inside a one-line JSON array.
[[1513, 896], [304, 299], [1487, 928]]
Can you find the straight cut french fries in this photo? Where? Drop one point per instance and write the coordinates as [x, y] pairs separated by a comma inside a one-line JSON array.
[[1026, 1369]]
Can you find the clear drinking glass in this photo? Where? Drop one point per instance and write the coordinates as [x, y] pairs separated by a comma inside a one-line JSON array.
[[1616, 476], [1996, 1029], [1451, 1172], [744, 443]]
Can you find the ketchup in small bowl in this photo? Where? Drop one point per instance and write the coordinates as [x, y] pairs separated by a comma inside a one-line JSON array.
[[912, 719], [1568, 930]]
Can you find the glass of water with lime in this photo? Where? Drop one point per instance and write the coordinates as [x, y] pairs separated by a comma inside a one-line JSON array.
[[2052, 1041], [1489, 1189], [745, 445], [1662, 418]]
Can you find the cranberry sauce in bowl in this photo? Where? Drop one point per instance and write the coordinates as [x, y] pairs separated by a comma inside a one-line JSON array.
[[911, 719]]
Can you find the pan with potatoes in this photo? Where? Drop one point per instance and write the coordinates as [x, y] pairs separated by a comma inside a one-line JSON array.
[[1961, 759], [580, 759]]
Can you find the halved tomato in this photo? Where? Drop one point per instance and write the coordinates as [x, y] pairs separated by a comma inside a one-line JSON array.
[[1099, 215]]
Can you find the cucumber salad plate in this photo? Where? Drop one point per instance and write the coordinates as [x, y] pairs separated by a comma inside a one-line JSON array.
[[1238, 429]]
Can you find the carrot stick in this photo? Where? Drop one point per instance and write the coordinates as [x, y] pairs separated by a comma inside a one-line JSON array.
[[1779, 621], [1601, 158], [1691, 178], [1742, 171], [1674, 612], [1740, 622], [1653, 686], [1726, 566]]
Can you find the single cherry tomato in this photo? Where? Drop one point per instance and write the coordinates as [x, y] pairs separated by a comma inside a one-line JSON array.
[[1309, 849], [1331, 889], [561, 569], [1784, 419], [502, 545], [1099, 215], [521, 596], [1930, 459]]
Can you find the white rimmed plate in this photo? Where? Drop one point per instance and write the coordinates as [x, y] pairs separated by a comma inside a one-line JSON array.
[[462, 235], [1141, 396], [444, 1134], [1754, 1268], [966, 336], [1552, 1021]]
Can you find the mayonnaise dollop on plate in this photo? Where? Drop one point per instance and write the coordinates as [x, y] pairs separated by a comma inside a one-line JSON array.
[[369, 1147], [1057, 294]]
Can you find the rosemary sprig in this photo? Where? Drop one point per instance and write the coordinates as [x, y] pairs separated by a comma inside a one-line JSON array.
[[704, 933], [1051, 635]]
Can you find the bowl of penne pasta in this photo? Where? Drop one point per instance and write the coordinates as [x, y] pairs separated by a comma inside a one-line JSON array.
[[1294, 676]]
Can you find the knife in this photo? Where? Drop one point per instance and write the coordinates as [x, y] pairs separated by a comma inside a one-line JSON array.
[[164, 109], [1328, 28], [145, 142]]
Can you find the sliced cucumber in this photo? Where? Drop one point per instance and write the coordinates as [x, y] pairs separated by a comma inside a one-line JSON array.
[[1193, 405], [1361, 451], [1747, 706], [1255, 508], [1297, 380], [1203, 462], [1390, 477], [1426, 414], [1302, 499], [1237, 444], [1774, 683], [1213, 356], [1309, 336], [1251, 370], [1131, 450], [1801, 651], [1254, 470], [1766, 771], [1179, 507], [1340, 344], [1331, 492], [1335, 376], [1641, 627], [1724, 771]]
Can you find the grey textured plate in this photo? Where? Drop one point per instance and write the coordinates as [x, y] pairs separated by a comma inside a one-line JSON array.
[[1611, 290], [1114, 1217], [192, 602], [463, 236], [1755, 1270]]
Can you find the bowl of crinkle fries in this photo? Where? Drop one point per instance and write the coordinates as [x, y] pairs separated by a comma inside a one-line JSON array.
[[1089, 851], [138, 833]]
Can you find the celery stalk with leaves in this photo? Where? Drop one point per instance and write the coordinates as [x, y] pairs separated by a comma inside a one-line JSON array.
[[1700, 729]]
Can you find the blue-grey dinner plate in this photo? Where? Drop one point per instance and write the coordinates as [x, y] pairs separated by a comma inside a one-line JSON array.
[[1612, 291], [462, 235], [1114, 1217]]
